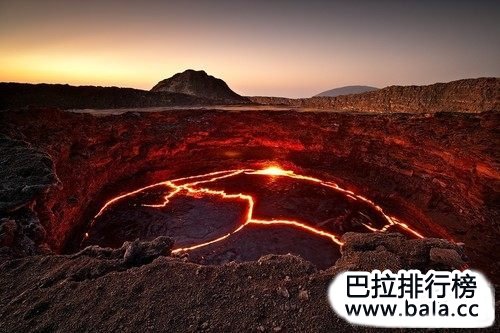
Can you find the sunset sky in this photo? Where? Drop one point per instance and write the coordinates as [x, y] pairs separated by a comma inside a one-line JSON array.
[[274, 48]]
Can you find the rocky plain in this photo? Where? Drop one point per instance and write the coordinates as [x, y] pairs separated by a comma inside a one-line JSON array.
[[428, 155]]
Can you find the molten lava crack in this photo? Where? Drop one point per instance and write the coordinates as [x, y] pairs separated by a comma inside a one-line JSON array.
[[193, 186]]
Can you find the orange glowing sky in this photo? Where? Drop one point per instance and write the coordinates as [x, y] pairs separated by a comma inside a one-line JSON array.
[[278, 48]]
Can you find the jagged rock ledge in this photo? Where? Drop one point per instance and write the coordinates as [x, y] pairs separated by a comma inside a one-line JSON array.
[[155, 292], [25, 174]]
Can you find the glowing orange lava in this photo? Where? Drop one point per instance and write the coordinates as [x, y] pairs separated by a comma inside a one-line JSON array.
[[190, 186]]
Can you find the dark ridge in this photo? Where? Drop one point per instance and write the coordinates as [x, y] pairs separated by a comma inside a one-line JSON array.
[[63, 96]]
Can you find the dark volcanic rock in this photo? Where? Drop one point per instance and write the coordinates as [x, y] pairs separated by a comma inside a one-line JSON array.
[[22, 234], [168, 294], [366, 252], [25, 173], [95, 292], [448, 257], [469, 95], [139, 253], [133, 253], [200, 84]]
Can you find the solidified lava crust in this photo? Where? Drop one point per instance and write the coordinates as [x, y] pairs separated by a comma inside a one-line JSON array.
[[440, 182], [277, 212]]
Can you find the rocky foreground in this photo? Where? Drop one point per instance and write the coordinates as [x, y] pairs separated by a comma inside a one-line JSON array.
[[139, 288]]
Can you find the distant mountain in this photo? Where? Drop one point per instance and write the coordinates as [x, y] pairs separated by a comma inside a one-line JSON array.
[[199, 84], [347, 90]]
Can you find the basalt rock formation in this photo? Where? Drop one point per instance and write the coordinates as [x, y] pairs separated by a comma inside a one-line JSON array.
[[469, 95], [199, 84]]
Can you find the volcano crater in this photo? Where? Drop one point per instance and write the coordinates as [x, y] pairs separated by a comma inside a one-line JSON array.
[[242, 214], [409, 165]]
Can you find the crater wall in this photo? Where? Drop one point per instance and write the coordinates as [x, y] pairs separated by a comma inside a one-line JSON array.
[[439, 171]]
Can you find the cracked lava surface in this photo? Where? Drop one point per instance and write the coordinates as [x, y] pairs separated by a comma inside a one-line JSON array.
[[241, 214]]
